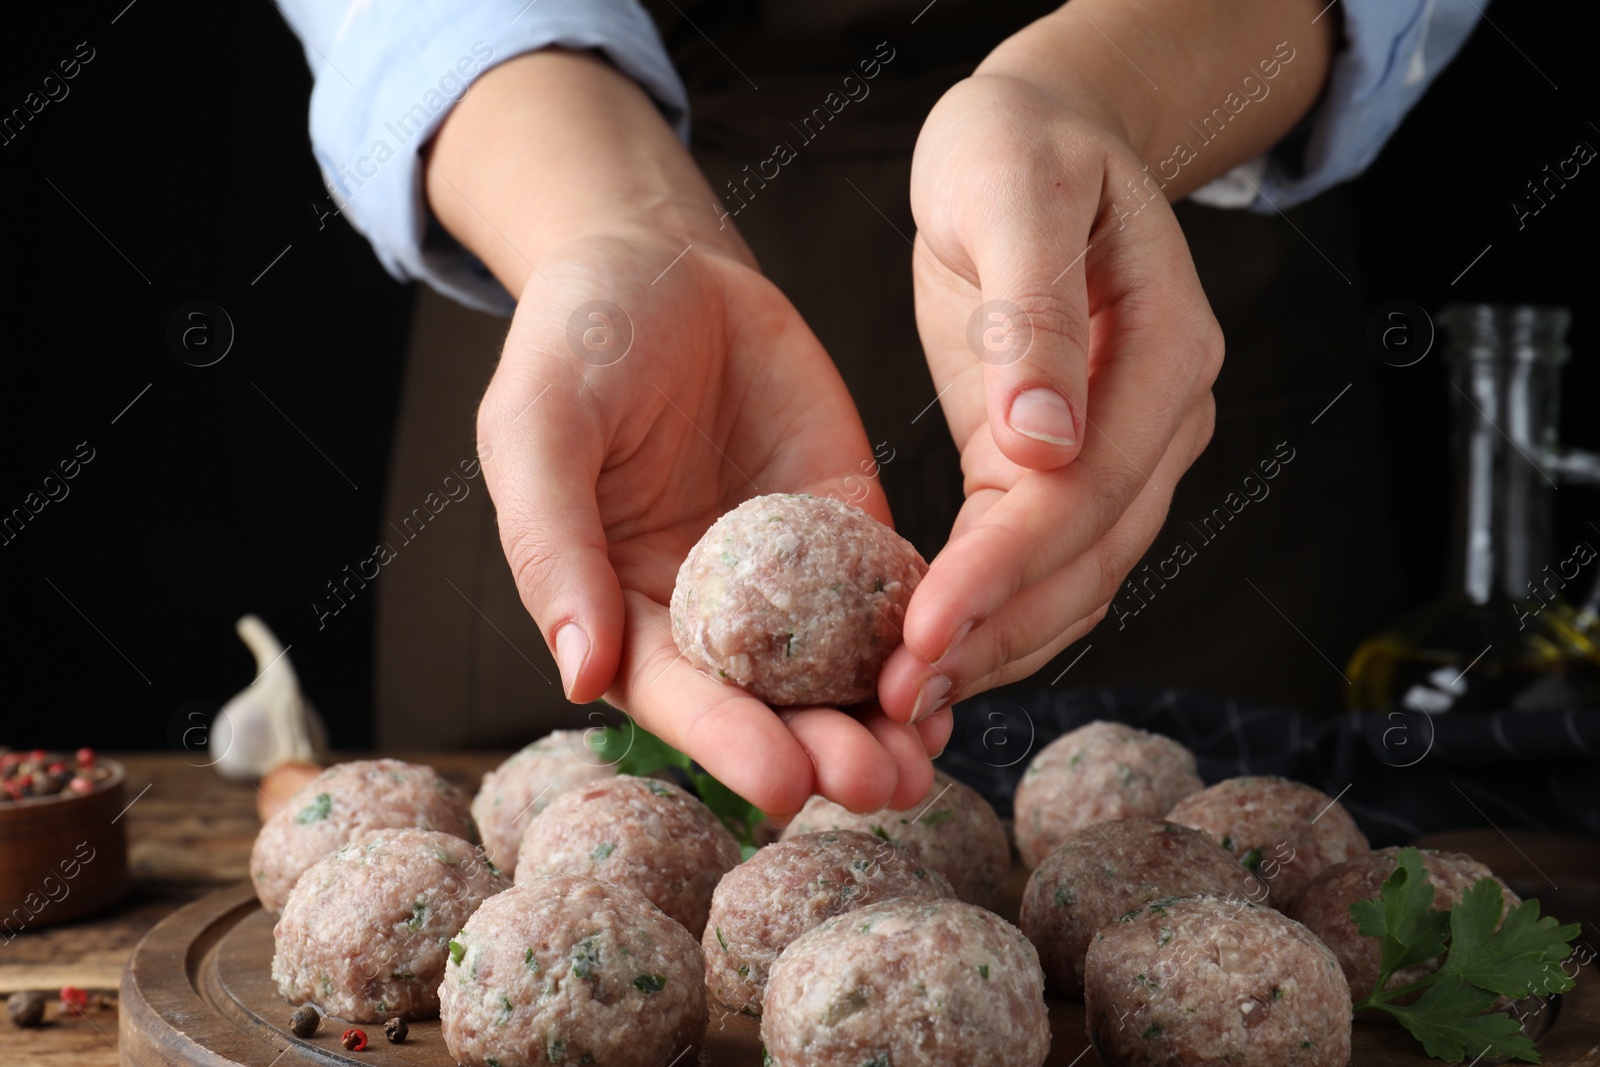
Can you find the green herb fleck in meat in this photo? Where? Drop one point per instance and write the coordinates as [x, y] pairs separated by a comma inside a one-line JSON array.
[[1277, 994], [1252, 859], [315, 811], [419, 914], [650, 983], [744, 970], [919, 873], [602, 850], [404, 976], [722, 940], [881, 832], [844, 1007], [877, 587], [876, 1061], [1077, 758], [532, 961], [942, 815], [1166, 935], [1227, 842], [983, 969], [1065, 897], [586, 957], [788, 645], [1153, 1030], [1125, 773], [506, 1009], [457, 950], [555, 1050]]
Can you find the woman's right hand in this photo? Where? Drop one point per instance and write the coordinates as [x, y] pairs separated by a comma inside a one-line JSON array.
[[652, 379]]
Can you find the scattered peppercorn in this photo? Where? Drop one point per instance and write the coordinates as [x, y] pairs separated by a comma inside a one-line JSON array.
[[26, 1009], [73, 999], [304, 1021], [396, 1030], [354, 1040]]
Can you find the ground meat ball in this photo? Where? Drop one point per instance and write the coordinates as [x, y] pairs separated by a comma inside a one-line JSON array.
[[345, 800], [520, 788], [643, 833], [1324, 907], [786, 889], [365, 932], [1105, 871], [798, 599], [566, 971], [938, 983], [1201, 980], [1098, 772], [1284, 831], [952, 829]]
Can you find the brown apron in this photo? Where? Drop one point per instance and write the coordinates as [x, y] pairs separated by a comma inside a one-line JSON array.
[[1256, 587]]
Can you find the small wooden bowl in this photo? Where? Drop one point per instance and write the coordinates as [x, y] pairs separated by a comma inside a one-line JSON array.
[[62, 857]]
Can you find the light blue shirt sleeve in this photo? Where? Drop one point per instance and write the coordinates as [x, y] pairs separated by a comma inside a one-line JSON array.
[[1392, 52], [387, 73]]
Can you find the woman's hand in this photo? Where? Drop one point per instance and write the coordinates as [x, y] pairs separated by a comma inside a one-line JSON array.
[[1065, 327], [652, 379]]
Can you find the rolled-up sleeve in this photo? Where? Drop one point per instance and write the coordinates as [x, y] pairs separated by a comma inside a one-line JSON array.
[[1393, 49], [387, 73]]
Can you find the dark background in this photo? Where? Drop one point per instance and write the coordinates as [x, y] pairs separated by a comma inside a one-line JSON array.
[[183, 142]]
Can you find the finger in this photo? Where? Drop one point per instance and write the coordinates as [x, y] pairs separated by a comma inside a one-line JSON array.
[[735, 737], [852, 767], [1158, 350], [935, 731], [1050, 613], [903, 744], [1032, 329], [542, 457]]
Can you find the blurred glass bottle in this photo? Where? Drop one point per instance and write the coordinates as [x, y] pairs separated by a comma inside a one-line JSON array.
[[1506, 634]]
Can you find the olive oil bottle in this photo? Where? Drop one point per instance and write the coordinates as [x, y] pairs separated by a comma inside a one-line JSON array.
[[1514, 630]]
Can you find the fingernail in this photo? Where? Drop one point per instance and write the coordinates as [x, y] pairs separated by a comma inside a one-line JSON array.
[[930, 698], [965, 629], [572, 648], [1043, 415]]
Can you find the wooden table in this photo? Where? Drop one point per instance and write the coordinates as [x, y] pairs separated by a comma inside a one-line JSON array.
[[190, 832]]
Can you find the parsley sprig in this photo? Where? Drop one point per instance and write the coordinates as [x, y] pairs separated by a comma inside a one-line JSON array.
[[637, 751], [1483, 960]]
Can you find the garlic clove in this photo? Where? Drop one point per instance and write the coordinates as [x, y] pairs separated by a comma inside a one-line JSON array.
[[269, 722]]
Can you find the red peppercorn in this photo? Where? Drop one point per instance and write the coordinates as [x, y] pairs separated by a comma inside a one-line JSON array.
[[36, 756], [81, 785], [354, 1040], [73, 998], [85, 757]]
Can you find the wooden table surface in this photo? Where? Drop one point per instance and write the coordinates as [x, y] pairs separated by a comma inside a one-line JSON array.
[[190, 832]]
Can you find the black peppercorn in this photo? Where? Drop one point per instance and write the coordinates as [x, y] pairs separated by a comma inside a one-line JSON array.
[[396, 1029], [304, 1021], [26, 1009]]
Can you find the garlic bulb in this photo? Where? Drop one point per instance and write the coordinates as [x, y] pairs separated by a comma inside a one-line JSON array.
[[269, 722]]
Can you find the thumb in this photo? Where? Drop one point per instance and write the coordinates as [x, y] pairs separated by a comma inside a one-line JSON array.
[[1032, 334], [544, 458]]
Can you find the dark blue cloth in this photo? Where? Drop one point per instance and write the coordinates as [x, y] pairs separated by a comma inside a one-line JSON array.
[[1400, 774]]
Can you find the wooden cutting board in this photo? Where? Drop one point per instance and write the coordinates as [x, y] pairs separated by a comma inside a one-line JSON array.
[[198, 993]]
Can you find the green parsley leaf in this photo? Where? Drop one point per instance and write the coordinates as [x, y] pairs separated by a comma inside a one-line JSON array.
[[1483, 960], [315, 811], [636, 751], [649, 983], [457, 950]]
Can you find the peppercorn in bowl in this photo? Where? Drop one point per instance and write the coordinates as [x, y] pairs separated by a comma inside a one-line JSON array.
[[63, 849]]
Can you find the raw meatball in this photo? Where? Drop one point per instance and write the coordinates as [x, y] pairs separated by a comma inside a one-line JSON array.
[[569, 971], [345, 800], [365, 932], [936, 983], [1285, 831], [517, 790], [798, 599], [1203, 981], [952, 829], [786, 889], [1098, 772], [1324, 907], [1110, 869], [646, 834]]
